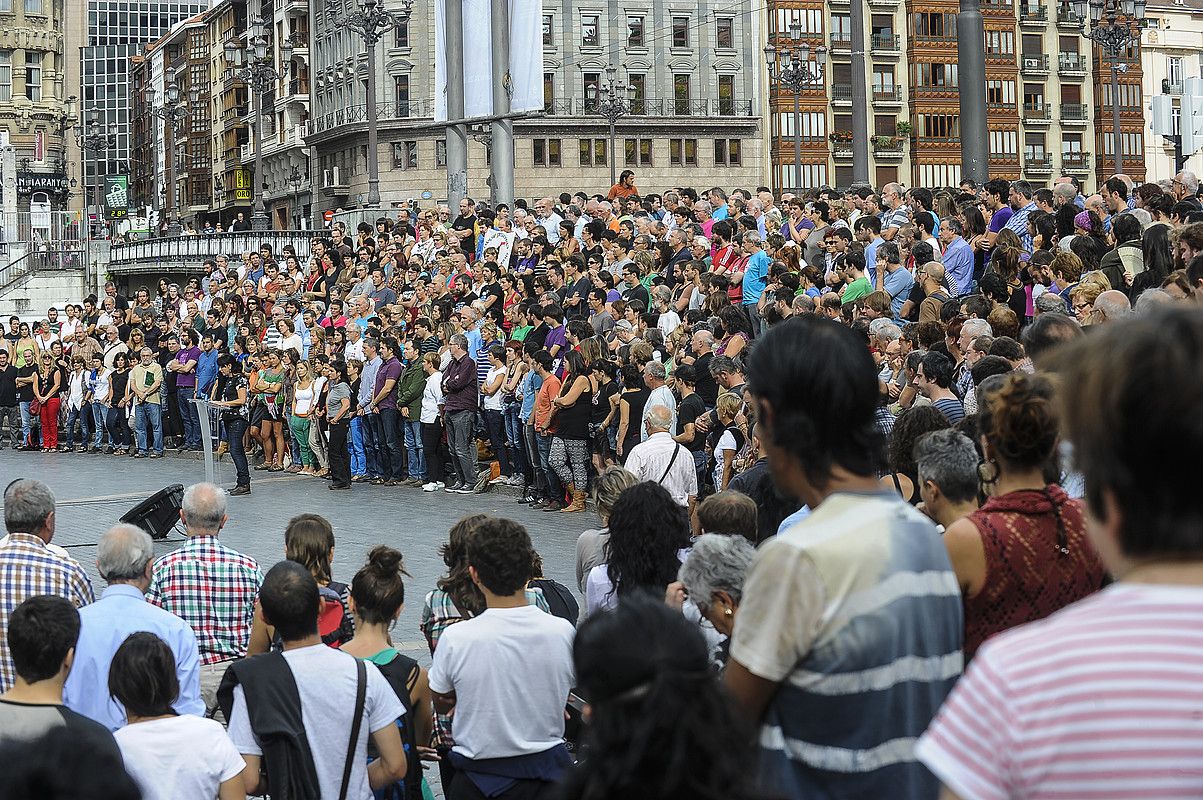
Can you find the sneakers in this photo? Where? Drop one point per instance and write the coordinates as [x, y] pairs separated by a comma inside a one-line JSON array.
[[415, 482], [238, 491], [433, 486], [502, 480], [453, 488]]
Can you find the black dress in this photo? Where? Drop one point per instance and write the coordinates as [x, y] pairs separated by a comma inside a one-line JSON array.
[[636, 400]]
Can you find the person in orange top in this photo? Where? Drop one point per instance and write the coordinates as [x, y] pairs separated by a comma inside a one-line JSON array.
[[541, 363], [625, 186]]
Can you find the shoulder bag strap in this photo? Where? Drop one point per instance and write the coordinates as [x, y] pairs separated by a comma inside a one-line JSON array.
[[671, 461], [361, 683]]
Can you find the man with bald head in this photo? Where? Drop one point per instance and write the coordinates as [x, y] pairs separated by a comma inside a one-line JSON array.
[[1112, 306], [935, 293], [662, 460], [125, 559]]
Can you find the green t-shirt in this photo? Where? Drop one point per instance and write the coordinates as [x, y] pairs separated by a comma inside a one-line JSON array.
[[520, 334], [856, 290]]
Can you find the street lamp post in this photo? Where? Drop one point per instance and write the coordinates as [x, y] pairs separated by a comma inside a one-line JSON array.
[[611, 99], [252, 63], [795, 72], [370, 21], [295, 179], [1115, 25], [93, 139], [174, 111]]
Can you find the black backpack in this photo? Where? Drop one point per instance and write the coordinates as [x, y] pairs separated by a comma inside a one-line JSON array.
[[402, 674], [559, 599]]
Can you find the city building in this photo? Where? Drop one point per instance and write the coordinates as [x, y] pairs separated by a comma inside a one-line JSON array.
[[104, 36], [1048, 95], [694, 103], [1171, 52], [37, 110]]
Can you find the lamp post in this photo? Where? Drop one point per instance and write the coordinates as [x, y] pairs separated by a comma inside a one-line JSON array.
[[795, 72], [93, 139], [295, 179], [1115, 25], [174, 111], [370, 22], [252, 63], [611, 99]]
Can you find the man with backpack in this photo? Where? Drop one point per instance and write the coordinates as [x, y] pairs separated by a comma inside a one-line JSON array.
[[507, 673], [290, 712]]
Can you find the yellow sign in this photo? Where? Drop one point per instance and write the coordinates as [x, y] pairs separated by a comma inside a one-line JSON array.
[[242, 184]]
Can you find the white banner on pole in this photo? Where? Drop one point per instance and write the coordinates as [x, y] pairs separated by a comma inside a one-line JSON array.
[[526, 58]]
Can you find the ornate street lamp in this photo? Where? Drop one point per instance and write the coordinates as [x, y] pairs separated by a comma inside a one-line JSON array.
[[793, 70], [612, 100]]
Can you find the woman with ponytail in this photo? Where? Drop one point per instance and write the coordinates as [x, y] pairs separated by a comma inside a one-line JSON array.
[[377, 597], [1024, 554], [657, 725], [171, 756]]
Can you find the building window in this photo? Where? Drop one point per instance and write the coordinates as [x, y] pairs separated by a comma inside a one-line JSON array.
[[33, 6], [683, 152], [549, 90], [6, 5], [405, 155], [548, 39], [935, 76], [593, 153], [635, 31], [680, 31], [6, 76], [1004, 143], [1000, 93], [1000, 43], [33, 76], [403, 35], [726, 94], [935, 25], [727, 152], [401, 94], [546, 152], [637, 152], [590, 83], [590, 30], [724, 32], [1033, 147], [440, 153], [681, 94], [1173, 69], [939, 126], [638, 99]]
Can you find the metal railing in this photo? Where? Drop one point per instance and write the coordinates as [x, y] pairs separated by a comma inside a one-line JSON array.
[[841, 40], [1066, 16], [177, 253], [1030, 12], [887, 94], [841, 93], [880, 42], [1035, 163], [1034, 64], [1071, 63], [1036, 112], [389, 110], [41, 260], [1078, 161], [1075, 112]]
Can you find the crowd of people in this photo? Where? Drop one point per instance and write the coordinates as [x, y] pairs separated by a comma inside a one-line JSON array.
[[886, 504]]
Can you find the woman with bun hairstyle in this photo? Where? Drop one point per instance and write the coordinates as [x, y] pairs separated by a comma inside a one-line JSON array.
[[377, 597], [1024, 554]]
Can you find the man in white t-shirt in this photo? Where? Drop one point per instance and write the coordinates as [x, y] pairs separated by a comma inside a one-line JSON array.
[[326, 682], [507, 673]]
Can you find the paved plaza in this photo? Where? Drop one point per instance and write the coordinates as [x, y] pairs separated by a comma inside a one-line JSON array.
[[93, 491]]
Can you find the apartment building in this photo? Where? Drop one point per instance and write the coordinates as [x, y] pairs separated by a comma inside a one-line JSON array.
[[1048, 95], [1171, 52], [694, 68]]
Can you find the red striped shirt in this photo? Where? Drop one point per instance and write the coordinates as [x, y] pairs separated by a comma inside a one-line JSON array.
[[1101, 700]]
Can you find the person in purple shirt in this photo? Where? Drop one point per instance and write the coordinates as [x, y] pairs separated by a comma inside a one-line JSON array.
[[184, 366], [384, 403], [996, 194], [556, 342], [958, 254]]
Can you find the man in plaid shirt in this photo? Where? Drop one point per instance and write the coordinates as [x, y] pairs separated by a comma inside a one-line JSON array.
[[28, 566], [209, 586]]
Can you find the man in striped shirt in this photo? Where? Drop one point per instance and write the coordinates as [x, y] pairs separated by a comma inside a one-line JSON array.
[[849, 633], [1103, 699]]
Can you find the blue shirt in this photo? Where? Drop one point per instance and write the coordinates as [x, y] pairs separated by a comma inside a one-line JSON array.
[[1019, 224], [206, 373], [719, 213], [958, 264], [898, 283], [531, 384], [121, 610], [367, 380], [871, 259], [756, 275]]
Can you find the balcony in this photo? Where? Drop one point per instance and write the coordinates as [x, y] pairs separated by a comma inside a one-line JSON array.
[[1071, 65], [1075, 162], [563, 108], [887, 95], [841, 40], [997, 7], [348, 115], [884, 5], [1032, 15], [887, 148], [1037, 114], [1034, 64], [884, 44], [1066, 18], [188, 253], [1038, 164], [1169, 87], [841, 94], [1075, 114]]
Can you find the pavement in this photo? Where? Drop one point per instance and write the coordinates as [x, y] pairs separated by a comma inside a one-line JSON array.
[[93, 491]]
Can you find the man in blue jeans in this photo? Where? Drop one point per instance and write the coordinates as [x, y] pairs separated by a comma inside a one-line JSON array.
[[384, 406], [369, 423], [409, 401], [184, 366], [461, 392], [146, 379]]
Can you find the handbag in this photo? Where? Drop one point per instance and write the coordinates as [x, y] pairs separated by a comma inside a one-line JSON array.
[[35, 406]]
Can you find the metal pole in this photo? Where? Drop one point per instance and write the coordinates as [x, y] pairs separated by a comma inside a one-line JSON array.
[[971, 57], [457, 135], [613, 156], [501, 152], [1115, 132], [83, 158], [373, 146], [860, 100], [797, 142], [259, 219]]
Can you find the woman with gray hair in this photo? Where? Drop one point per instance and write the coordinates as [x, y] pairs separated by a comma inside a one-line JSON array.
[[590, 545], [713, 577]]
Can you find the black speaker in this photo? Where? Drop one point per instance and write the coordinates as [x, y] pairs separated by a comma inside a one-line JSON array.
[[159, 513]]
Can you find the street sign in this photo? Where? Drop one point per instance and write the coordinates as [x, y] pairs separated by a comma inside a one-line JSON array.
[[328, 215], [116, 196], [427, 195], [242, 184]]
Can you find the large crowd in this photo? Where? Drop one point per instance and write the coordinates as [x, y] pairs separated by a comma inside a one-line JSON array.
[[886, 504]]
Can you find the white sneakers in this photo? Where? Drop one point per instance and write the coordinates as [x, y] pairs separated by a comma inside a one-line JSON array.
[[433, 486]]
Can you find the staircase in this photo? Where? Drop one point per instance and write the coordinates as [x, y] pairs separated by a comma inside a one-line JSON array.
[[35, 279]]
